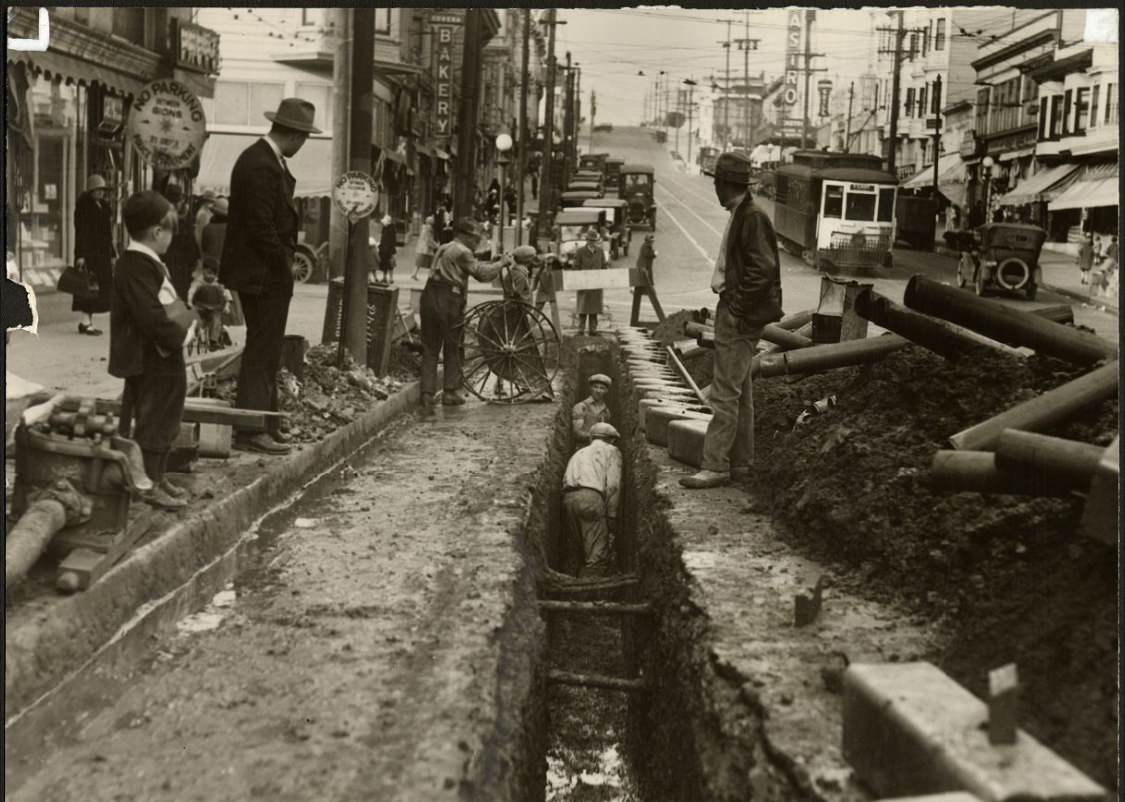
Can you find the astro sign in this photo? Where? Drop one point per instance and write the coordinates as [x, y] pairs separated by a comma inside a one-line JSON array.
[[445, 30], [790, 93]]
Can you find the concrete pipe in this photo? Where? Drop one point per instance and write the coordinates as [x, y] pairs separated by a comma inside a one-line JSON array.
[[1042, 412], [1048, 459], [926, 331], [976, 472], [28, 539], [1060, 313], [797, 321], [771, 333], [827, 357], [1006, 325]]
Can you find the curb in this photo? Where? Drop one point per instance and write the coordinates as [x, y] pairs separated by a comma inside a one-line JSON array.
[[44, 649]]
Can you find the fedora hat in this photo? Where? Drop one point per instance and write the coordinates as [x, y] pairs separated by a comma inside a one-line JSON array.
[[296, 114]]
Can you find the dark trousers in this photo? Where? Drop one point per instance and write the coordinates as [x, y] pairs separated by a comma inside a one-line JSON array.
[[152, 407], [266, 316], [442, 311]]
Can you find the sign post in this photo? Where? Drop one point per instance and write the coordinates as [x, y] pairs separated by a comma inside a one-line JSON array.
[[356, 195]]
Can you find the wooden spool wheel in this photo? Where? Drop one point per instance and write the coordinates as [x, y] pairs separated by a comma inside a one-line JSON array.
[[510, 353]]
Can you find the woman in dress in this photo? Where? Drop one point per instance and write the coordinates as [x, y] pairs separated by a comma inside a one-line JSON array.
[[94, 251]]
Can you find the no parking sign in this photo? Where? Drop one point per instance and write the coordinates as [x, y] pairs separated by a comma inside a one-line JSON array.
[[356, 194]]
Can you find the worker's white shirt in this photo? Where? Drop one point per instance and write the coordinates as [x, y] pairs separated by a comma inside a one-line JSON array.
[[719, 277], [598, 467]]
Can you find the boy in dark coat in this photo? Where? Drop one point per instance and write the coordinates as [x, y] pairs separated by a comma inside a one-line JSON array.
[[149, 328]]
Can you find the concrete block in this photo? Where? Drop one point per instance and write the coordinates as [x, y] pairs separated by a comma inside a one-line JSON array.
[[645, 404], [667, 394], [685, 441], [909, 729], [659, 417]]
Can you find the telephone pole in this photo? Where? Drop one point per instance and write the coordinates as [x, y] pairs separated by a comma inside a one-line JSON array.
[[746, 44], [810, 15], [568, 120], [937, 128], [523, 132], [341, 93], [893, 141], [467, 114], [593, 115], [691, 90], [848, 124], [726, 90], [546, 190]]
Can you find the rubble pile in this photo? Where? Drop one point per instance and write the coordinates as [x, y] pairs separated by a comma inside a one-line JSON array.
[[1008, 578]]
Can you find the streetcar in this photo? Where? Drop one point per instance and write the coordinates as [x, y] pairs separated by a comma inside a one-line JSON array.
[[836, 210], [708, 156]]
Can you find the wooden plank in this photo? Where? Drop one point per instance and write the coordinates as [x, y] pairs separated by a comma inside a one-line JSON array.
[[595, 608], [679, 366], [229, 416], [595, 681], [612, 278]]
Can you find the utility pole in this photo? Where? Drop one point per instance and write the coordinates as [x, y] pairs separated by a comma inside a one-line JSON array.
[[467, 114], [577, 110], [353, 332], [691, 89], [746, 44], [810, 15], [568, 119], [524, 127], [848, 128], [891, 155], [341, 89], [937, 128], [546, 190], [726, 90], [593, 115]]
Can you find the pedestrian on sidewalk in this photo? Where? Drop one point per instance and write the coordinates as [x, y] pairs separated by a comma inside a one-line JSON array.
[[443, 310], [94, 251], [258, 262], [184, 257], [203, 212], [387, 248], [591, 410], [424, 252], [591, 493], [589, 305], [647, 287], [1085, 258], [747, 279], [149, 329]]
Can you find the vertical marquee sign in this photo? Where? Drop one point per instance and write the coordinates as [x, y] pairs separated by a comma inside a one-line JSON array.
[[445, 40], [791, 93]]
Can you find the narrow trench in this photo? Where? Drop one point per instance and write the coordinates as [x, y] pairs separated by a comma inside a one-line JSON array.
[[587, 741]]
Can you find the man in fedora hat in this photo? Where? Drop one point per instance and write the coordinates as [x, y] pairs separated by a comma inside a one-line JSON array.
[[747, 280], [257, 260], [589, 305]]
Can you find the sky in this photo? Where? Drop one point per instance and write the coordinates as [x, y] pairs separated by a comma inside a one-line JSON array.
[[612, 45]]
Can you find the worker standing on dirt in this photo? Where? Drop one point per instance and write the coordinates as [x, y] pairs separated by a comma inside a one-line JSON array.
[[747, 279], [591, 490], [591, 411], [443, 310]]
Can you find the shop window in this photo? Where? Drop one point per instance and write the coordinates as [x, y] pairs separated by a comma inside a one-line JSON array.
[[1081, 110], [939, 34], [833, 200], [1094, 106], [886, 205]]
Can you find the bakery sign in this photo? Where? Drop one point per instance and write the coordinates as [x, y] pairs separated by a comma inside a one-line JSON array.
[[167, 125], [445, 30]]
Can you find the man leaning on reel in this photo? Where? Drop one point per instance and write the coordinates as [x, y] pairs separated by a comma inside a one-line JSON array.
[[747, 279]]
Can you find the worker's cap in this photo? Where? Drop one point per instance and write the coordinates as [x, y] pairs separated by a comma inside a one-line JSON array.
[[604, 431], [733, 167], [592, 236], [600, 378], [524, 253], [466, 226]]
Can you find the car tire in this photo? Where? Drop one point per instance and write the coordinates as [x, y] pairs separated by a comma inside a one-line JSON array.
[[304, 267]]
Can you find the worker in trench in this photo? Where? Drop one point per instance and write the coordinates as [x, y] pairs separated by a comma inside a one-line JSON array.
[[591, 493], [591, 410]]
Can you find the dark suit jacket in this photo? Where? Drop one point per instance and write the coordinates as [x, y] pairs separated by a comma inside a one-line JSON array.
[[584, 259], [753, 269], [138, 322], [261, 225]]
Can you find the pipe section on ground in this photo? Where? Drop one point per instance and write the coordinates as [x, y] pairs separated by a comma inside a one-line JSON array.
[[1060, 313], [928, 332], [1006, 325], [1042, 412], [28, 539], [976, 472], [827, 357], [1048, 459]]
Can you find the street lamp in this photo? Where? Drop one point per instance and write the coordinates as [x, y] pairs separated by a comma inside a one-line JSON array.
[[987, 163], [503, 145]]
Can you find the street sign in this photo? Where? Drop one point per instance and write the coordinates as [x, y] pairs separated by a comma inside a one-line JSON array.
[[167, 125], [356, 195]]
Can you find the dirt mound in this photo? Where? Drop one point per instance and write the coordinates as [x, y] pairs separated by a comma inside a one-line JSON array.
[[1008, 577]]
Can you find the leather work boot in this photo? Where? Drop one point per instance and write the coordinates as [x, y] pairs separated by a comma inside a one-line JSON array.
[[280, 437], [452, 398], [159, 498], [261, 443], [705, 479], [173, 490]]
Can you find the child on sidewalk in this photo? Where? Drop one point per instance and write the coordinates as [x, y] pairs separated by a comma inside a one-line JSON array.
[[149, 327], [211, 300]]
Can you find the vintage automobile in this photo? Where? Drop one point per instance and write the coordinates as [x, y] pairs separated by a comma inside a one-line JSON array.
[[637, 189], [589, 177], [613, 173], [571, 227], [1001, 256], [707, 158], [578, 197], [586, 186], [619, 232], [593, 161], [836, 210]]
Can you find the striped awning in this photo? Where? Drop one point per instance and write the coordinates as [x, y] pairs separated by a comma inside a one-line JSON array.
[[1043, 186], [1097, 186]]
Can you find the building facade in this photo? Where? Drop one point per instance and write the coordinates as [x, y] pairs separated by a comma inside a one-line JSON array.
[[68, 109]]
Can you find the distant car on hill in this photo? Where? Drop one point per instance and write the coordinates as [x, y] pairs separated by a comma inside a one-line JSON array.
[[606, 127]]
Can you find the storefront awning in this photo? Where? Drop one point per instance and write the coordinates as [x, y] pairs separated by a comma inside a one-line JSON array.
[[1042, 186], [1097, 186], [950, 170], [312, 166], [71, 70]]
